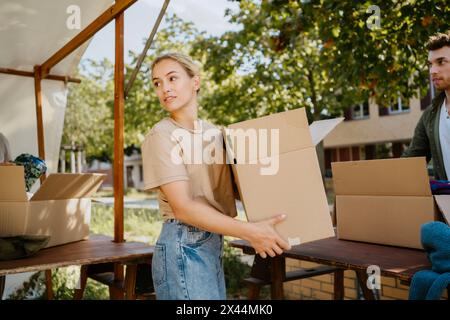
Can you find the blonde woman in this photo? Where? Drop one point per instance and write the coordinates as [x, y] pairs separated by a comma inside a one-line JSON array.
[[196, 199]]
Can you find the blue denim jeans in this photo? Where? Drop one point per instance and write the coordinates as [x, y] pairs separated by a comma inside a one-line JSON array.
[[187, 264]]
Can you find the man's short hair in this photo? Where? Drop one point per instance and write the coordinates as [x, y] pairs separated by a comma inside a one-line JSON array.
[[438, 41]]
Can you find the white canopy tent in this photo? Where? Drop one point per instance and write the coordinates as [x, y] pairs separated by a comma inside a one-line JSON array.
[[31, 32]]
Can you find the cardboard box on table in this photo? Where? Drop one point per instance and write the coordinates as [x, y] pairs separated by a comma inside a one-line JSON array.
[[294, 186], [385, 201], [61, 207]]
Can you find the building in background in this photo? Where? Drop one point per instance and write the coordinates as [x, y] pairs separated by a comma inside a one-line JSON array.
[[133, 171], [374, 132]]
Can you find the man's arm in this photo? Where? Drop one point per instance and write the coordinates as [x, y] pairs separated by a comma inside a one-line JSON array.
[[420, 144]]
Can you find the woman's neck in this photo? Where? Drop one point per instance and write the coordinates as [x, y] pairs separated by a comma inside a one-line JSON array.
[[186, 116]]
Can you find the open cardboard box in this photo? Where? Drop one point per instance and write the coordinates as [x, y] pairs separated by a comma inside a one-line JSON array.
[[61, 207], [286, 178], [386, 201]]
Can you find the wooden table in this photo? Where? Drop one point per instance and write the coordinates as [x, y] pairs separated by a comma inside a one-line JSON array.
[[400, 263], [97, 249]]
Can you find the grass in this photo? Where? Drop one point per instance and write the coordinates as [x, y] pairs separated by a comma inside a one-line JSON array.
[[141, 225]]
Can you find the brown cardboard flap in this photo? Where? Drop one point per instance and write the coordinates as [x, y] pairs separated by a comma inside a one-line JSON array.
[[60, 186], [12, 183], [293, 133], [443, 203], [401, 177]]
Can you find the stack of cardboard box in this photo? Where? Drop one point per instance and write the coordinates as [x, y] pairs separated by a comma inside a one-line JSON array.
[[386, 201], [60, 208]]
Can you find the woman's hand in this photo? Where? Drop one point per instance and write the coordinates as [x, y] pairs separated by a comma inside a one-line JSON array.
[[265, 239], [261, 235]]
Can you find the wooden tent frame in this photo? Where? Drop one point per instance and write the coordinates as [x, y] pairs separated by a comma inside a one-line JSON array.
[[115, 12]]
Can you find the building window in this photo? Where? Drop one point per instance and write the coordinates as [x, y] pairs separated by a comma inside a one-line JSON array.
[[360, 111], [399, 106]]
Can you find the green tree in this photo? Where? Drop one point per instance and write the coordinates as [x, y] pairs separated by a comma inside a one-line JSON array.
[[320, 54], [387, 60], [253, 72], [88, 119]]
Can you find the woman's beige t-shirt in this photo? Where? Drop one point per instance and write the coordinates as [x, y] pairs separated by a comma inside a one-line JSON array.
[[208, 182]]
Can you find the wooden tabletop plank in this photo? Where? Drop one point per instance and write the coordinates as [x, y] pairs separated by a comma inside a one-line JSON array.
[[396, 262], [97, 249]]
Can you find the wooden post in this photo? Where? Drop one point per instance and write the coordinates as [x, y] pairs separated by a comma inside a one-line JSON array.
[[41, 148], [118, 130], [39, 118], [119, 104]]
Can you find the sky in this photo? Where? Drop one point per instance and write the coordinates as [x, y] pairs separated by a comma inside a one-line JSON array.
[[207, 15]]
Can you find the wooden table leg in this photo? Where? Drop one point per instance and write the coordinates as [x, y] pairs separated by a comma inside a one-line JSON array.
[[49, 284], [78, 294], [362, 279], [277, 276], [253, 291], [130, 282], [116, 293], [339, 284], [261, 271], [2, 286]]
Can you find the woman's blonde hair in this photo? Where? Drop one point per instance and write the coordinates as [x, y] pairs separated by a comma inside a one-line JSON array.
[[185, 61]]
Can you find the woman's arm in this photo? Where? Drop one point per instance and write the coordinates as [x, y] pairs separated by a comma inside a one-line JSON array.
[[261, 235]]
